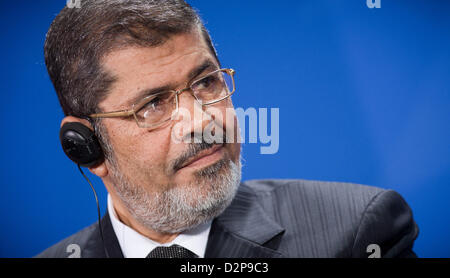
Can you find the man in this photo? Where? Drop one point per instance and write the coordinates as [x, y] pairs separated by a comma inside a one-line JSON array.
[[131, 71]]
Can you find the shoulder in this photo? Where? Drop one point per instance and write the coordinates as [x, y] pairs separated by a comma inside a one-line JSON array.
[[324, 196], [71, 246], [312, 190], [335, 219], [314, 200]]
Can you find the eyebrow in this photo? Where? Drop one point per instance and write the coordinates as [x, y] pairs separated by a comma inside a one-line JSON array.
[[207, 64]]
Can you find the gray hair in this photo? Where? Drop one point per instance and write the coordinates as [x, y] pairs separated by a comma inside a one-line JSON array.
[[79, 37]]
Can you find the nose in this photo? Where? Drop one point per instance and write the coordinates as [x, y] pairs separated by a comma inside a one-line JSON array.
[[192, 117]]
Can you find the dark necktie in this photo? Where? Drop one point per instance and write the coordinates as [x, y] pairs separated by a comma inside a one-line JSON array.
[[174, 251]]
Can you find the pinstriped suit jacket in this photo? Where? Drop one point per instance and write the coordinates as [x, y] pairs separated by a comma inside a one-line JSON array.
[[290, 218]]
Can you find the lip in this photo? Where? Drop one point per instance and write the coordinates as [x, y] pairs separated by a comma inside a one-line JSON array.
[[204, 157]]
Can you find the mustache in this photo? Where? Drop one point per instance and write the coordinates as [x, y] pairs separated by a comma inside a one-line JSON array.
[[192, 150]]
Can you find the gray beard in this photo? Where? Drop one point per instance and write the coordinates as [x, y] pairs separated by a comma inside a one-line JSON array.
[[182, 206]]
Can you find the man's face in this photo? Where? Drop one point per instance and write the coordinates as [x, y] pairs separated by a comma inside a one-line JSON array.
[[143, 171]]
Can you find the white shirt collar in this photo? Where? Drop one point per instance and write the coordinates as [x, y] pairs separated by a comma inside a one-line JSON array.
[[135, 245]]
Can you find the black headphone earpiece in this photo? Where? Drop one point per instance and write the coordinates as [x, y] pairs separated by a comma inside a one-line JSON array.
[[82, 147], [80, 144]]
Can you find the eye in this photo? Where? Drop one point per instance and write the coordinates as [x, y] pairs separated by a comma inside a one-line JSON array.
[[207, 82], [155, 105], [151, 106]]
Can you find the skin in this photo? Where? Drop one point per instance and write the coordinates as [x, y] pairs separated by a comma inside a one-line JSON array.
[[144, 154]]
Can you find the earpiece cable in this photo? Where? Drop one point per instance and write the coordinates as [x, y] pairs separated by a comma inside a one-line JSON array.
[[98, 210]]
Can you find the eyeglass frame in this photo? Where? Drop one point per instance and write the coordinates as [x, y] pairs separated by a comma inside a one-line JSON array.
[[141, 103]]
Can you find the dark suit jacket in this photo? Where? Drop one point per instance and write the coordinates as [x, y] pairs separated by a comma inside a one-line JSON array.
[[289, 218]]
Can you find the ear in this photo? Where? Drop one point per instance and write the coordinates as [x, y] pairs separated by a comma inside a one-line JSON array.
[[99, 170], [72, 119]]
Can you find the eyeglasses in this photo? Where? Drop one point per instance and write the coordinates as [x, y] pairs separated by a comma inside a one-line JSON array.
[[157, 109]]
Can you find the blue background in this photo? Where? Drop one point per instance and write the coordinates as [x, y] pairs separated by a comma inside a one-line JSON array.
[[364, 97]]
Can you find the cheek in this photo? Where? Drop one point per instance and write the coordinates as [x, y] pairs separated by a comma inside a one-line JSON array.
[[230, 124], [235, 146], [233, 131], [141, 152], [226, 119]]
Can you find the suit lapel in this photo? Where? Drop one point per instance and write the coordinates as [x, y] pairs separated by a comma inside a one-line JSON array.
[[94, 247], [244, 230], [111, 241]]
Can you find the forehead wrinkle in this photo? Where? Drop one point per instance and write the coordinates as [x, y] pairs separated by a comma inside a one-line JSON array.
[[169, 48], [160, 69], [154, 65]]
